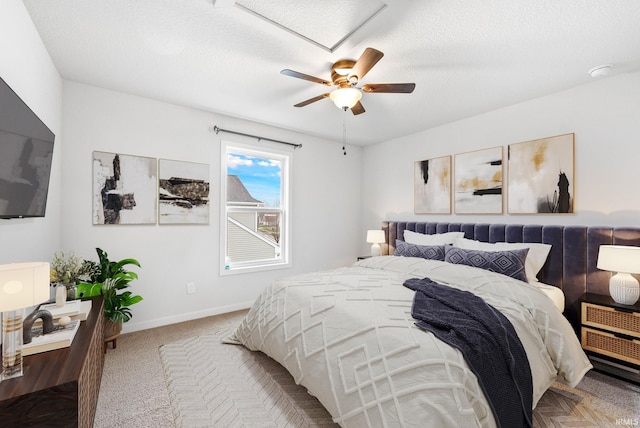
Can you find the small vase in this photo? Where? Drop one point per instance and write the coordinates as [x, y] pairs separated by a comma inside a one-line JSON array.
[[61, 295], [72, 290]]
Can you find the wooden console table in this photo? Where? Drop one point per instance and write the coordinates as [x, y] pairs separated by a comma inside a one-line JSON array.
[[59, 388]]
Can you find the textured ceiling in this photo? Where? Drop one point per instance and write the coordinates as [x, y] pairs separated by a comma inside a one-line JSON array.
[[466, 57]]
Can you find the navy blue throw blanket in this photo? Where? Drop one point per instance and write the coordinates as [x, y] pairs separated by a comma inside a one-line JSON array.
[[488, 342]]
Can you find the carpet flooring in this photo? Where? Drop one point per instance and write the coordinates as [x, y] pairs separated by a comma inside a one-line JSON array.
[[183, 376]]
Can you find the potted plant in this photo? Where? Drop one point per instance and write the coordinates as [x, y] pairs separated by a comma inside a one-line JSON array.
[[109, 278]]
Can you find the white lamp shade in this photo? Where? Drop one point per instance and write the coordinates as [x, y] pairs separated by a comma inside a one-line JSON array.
[[345, 97], [23, 285], [619, 258], [375, 236]]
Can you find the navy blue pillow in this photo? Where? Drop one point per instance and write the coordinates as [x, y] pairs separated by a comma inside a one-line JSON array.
[[431, 252], [510, 263]]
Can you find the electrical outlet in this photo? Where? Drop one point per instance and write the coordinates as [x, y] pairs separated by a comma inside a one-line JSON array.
[[191, 287]]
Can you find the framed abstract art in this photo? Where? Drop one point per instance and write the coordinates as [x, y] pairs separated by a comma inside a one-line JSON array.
[[124, 189], [478, 185], [183, 192], [432, 186], [541, 176]]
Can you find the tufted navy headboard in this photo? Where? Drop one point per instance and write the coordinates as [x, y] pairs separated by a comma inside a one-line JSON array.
[[571, 265]]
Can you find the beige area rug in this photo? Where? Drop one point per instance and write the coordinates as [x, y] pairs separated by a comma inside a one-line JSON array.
[[212, 384]]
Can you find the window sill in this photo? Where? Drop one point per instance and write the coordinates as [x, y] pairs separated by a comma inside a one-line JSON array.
[[254, 268]]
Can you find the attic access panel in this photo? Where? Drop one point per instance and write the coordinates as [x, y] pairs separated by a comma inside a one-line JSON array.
[[326, 24]]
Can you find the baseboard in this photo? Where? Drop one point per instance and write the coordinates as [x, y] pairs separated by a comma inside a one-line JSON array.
[[130, 327]]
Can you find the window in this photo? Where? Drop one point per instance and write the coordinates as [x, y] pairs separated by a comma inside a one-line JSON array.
[[255, 218]]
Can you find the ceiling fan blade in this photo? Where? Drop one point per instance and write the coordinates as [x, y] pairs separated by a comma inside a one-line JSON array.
[[357, 109], [312, 100], [367, 60], [394, 88], [303, 76]]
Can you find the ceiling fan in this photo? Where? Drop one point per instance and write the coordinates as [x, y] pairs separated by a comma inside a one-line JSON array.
[[345, 74]]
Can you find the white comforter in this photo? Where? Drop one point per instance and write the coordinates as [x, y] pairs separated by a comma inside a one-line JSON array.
[[347, 335]]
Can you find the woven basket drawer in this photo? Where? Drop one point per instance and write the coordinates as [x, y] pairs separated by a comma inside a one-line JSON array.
[[610, 345], [610, 319]]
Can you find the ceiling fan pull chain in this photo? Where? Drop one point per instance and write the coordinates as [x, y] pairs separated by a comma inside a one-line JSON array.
[[344, 134]]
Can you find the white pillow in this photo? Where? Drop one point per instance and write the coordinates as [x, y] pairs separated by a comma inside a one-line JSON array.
[[437, 239], [536, 257]]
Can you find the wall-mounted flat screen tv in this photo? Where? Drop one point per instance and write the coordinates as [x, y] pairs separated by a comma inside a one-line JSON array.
[[26, 152]]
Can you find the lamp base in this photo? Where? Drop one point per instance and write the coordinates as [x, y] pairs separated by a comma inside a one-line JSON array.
[[12, 344], [624, 288], [375, 250]]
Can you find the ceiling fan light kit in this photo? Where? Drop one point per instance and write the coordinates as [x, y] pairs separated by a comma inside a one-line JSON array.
[[345, 75], [345, 98]]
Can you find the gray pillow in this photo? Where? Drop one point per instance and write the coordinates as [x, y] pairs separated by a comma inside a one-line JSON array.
[[431, 252], [510, 263]]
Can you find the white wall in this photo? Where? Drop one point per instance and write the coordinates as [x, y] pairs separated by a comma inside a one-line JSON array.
[[26, 66], [325, 203], [605, 117]]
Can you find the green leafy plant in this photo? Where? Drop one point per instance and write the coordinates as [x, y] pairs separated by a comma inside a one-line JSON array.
[[109, 278]]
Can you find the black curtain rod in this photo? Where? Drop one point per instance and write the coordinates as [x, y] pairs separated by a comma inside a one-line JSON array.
[[217, 130]]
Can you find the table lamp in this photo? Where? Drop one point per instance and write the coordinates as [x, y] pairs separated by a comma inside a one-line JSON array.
[[624, 260], [21, 285], [375, 237]]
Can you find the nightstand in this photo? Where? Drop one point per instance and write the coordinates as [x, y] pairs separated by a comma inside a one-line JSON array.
[[363, 257], [610, 333]]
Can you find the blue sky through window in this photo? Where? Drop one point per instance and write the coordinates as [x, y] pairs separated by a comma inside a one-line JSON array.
[[261, 176]]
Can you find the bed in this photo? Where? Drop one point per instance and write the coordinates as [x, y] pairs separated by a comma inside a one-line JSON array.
[[348, 335]]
